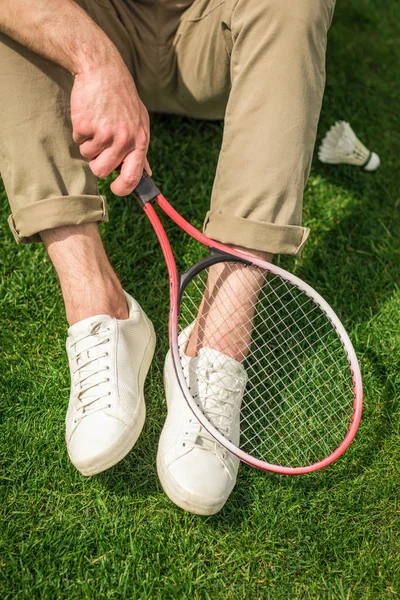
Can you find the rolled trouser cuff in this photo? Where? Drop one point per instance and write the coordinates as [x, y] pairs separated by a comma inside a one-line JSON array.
[[29, 221], [255, 235]]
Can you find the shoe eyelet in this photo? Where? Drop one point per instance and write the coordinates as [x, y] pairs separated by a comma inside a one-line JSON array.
[[183, 444], [108, 380], [108, 340], [107, 354], [109, 394]]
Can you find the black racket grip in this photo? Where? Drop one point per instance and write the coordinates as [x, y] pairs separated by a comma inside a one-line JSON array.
[[146, 190]]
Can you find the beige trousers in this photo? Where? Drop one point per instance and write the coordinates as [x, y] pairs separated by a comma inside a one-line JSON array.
[[257, 64]]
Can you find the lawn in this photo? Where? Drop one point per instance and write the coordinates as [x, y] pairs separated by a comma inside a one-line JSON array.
[[331, 535]]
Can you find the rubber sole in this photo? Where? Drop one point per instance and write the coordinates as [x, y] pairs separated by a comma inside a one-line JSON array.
[[180, 496]]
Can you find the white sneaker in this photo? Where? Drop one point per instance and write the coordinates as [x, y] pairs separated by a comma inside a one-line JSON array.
[[108, 360], [196, 472]]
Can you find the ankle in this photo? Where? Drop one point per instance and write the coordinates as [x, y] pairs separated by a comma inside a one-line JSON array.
[[89, 285], [99, 296]]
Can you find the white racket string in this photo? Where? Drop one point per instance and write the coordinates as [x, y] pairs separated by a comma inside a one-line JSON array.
[[298, 398]]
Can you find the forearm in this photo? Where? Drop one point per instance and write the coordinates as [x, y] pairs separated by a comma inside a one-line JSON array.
[[109, 121], [58, 30]]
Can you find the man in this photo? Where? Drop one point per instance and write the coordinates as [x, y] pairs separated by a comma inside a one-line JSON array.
[[77, 80]]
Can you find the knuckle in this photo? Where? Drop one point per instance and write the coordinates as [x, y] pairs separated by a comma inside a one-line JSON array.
[[76, 136], [80, 126], [141, 148], [105, 135], [144, 140], [124, 139]]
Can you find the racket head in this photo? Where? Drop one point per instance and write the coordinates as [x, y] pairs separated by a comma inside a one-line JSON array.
[[302, 399]]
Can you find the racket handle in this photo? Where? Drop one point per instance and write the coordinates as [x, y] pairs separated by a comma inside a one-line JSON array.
[[146, 190]]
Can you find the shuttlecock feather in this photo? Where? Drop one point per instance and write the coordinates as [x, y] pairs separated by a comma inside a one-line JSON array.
[[341, 145]]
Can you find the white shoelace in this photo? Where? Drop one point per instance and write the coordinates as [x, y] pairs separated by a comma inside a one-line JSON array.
[[89, 362], [219, 403]]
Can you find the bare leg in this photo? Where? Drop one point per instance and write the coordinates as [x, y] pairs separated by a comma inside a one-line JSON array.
[[224, 321], [89, 284]]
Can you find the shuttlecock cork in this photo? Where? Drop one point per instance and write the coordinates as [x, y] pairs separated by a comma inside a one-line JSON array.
[[341, 145]]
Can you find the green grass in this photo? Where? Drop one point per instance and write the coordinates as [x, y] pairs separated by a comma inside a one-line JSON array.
[[330, 535]]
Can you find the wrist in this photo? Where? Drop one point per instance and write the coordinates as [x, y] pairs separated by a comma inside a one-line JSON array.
[[95, 57]]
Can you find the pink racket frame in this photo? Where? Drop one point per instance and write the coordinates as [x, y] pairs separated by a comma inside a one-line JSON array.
[[173, 337]]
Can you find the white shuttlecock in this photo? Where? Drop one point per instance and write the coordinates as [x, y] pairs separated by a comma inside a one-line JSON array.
[[341, 145]]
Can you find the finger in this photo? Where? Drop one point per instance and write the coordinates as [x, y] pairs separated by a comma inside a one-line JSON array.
[[107, 161], [130, 173], [91, 148], [81, 132], [84, 132]]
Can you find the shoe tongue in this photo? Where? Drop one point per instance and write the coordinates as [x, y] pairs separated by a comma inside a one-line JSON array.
[[84, 326], [224, 369], [220, 382], [219, 361], [88, 348]]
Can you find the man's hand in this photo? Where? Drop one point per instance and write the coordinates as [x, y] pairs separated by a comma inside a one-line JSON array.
[[111, 124]]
